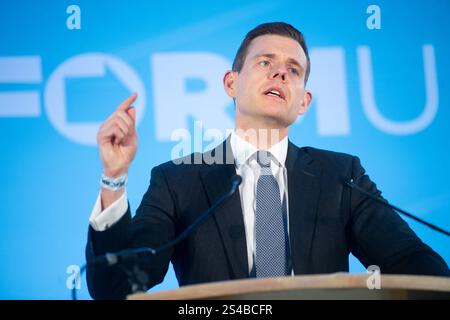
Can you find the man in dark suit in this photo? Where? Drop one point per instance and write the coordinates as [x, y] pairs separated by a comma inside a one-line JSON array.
[[292, 214]]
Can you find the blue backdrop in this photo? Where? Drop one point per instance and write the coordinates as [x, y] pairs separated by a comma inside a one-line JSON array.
[[380, 78]]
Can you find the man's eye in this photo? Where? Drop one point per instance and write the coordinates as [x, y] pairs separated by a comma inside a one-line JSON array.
[[264, 63], [294, 71]]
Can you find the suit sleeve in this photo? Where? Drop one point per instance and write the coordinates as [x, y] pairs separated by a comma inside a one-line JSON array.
[[379, 236], [152, 226]]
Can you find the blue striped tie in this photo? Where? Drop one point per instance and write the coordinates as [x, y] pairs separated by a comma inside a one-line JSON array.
[[271, 257]]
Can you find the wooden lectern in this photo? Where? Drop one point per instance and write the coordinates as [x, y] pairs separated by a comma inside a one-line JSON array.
[[330, 286]]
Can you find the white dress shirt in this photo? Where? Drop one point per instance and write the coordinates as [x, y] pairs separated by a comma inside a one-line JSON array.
[[246, 166]]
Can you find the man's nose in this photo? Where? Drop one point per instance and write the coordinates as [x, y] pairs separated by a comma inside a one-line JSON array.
[[279, 71]]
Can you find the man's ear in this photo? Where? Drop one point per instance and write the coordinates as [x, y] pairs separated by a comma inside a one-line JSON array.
[[229, 83], [306, 101]]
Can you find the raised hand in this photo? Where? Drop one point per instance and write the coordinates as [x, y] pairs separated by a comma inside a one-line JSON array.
[[117, 139]]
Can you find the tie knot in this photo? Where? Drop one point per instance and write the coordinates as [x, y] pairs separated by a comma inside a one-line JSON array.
[[263, 158]]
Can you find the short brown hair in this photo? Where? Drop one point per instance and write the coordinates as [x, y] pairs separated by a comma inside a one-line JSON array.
[[275, 28]]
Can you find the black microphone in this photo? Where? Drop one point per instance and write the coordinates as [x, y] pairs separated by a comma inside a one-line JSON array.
[[353, 185], [111, 259]]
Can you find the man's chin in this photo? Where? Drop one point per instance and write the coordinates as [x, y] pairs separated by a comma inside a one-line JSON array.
[[274, 112], [273, 115], [274, 119]]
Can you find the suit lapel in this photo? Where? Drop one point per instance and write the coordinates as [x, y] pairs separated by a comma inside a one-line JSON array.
[[303, 191], [228, 217]]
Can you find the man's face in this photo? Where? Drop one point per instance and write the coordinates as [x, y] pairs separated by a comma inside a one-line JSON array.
[[270, 89]]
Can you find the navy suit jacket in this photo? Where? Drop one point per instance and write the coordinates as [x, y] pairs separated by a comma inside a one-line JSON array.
[[327, 221]]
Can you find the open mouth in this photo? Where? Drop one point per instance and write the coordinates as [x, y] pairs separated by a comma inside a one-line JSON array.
[[275, 93]]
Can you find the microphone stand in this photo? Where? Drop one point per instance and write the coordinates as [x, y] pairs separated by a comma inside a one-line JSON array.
[[114, 258], [353, 185]]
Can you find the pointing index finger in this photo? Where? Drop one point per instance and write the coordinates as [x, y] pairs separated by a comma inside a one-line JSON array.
[[128, 101]]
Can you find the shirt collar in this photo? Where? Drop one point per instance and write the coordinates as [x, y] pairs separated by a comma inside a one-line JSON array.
[[243, 150]]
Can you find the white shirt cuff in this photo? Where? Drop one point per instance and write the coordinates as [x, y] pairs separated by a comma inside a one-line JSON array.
[[102, 220]]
